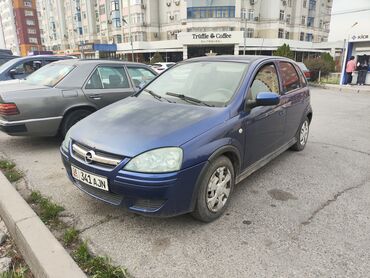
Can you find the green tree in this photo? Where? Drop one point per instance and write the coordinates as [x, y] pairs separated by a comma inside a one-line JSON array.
[[324, 63], [157, 58], [284, 51]]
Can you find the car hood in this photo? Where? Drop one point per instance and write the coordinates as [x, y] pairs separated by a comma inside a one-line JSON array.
[[135, 125]]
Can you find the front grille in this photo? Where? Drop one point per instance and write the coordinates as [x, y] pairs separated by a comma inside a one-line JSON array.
[[89, 156], [106, 196]]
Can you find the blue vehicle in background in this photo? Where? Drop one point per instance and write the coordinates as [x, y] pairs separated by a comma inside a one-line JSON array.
[[182, 143], [21, 67]]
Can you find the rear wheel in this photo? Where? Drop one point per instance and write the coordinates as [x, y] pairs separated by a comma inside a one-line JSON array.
[[215, 190], [72, 118], [302, 135]]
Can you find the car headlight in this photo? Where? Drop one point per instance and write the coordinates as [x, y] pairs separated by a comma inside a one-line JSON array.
[[157, 161], [66, 141]]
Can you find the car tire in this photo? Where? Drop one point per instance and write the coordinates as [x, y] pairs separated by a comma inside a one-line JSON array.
[[302, 135], [72, 118], [213, 197]]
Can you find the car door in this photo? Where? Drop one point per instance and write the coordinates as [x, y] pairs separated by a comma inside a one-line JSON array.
[[294, 95], [140, 76], [108, 84], [263, 125]]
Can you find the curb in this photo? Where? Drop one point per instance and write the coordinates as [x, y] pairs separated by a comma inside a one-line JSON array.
[[341, 88], [43, 253]]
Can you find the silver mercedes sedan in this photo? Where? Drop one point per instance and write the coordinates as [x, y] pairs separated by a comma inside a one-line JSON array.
[[58, 95]]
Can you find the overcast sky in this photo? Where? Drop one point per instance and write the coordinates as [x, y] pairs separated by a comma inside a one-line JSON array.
[[340, 24]]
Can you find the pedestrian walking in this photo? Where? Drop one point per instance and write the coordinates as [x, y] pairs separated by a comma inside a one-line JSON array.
[[362, 67], [350, 68]]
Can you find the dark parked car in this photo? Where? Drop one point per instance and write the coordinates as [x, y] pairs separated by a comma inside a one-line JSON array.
[[305, 70], [58, 95], [184, 141], [20, 68]]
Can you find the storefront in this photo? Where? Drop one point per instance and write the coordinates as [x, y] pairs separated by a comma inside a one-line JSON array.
[[98, 51], [195, 44], [358, 46]]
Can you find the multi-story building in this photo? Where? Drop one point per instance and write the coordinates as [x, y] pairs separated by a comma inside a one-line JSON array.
[[185, 28], [20, 27]]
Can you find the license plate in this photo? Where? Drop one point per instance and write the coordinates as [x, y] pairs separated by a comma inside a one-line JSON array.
[[90, 179]]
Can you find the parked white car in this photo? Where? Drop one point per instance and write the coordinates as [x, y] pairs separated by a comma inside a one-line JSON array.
[[161, 67]]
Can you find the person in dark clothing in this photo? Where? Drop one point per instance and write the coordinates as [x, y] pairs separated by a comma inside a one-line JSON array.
[[362, 67]]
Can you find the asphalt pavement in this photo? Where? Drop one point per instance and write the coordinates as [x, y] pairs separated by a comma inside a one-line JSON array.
[[305, 214]]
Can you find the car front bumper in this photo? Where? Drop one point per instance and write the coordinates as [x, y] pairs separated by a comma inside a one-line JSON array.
[[162, 195]]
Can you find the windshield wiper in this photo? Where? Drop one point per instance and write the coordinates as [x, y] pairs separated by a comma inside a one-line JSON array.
[[187, 98], [156, 96]]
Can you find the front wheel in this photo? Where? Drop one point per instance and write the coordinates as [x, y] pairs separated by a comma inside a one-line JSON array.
[[215, 190], [72, 118], [302, 135]]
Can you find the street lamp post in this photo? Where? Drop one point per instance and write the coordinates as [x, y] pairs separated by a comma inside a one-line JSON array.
[[245, 31], [129, 30]]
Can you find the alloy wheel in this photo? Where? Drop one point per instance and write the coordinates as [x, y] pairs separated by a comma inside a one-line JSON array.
[[304, 133], [218, 189]]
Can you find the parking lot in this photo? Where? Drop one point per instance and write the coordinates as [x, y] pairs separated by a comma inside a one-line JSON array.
[[305, 214]]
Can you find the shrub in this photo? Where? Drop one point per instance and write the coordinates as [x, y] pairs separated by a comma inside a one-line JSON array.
[[325, 63]]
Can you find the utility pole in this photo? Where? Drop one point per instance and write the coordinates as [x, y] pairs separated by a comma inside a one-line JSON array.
[[129, 30], [245, 31]]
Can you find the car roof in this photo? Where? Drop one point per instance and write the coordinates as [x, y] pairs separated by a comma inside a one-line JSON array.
[[236, 58], [76, 62]]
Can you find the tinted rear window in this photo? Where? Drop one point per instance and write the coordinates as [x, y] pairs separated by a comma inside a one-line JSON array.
[[289, 76]]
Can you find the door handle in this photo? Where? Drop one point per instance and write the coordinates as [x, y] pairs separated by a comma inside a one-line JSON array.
[[95, 97]]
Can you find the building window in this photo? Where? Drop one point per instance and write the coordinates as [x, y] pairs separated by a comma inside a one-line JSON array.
[[250, 32], [309, 37], [289, 3], [32, 40], [312, 5], [84, 15], [280, 33], [27, 4], [288, 18], [321, 23], [310, 21], [303, 22], [287, 35], [281, 17], [32, 31], [30, 22], [211, 12], [119, 39], [250, 14], [168, 17], [114, 6], [28, 13], [304, 3], [301, 36], [101, 9], [243, 14]]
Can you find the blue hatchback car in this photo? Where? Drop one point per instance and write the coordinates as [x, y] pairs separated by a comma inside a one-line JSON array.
[[182, 143]]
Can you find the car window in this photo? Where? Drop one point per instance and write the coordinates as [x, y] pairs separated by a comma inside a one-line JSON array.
[[140, 75], [3, 60], [289, 77], [266, 80], [113, 77], [301, 77], [49, 75], [28, 67], [94, 81]]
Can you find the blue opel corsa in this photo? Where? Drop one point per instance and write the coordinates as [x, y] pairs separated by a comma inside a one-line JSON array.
[[182, 143]]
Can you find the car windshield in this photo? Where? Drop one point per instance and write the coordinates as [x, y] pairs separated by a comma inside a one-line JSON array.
[[11, 62], [49, 75], [213, 83]]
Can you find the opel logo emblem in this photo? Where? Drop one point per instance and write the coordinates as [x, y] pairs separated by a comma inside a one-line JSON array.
[[89, 157]]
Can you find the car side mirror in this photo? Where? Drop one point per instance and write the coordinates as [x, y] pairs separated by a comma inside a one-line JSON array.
[[264, 99], [12, 73]]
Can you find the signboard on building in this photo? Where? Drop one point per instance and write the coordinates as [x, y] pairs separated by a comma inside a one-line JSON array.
[[199, 38], [359, 37]]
